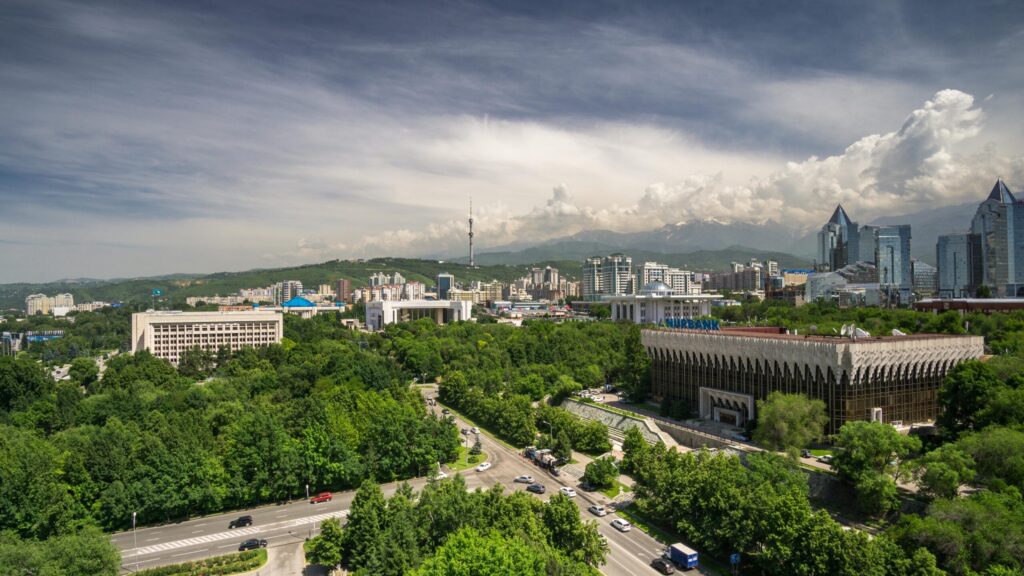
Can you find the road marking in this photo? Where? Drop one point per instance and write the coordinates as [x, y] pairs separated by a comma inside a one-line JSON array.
[[188, 553], [250, 531], [151, 539], [280, 516], [197, 531], [203, 524]]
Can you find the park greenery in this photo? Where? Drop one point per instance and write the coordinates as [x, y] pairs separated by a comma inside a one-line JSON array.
[[333, 408], [447, 530]]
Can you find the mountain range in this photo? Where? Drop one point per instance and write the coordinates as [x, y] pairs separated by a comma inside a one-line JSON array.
[[688, 240]]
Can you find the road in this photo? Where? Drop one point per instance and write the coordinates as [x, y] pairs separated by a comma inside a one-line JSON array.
[[287, 524]]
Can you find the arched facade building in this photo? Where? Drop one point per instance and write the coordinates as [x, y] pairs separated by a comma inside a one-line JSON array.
[[722, 374]]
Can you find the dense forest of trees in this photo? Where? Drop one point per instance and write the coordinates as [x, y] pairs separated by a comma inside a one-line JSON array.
[[324, 408], [333, 408], [447, 530]]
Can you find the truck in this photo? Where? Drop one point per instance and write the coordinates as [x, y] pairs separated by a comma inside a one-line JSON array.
[[682, 556], [547, 461]]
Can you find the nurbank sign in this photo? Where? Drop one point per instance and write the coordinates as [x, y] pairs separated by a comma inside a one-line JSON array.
[[690, 324]]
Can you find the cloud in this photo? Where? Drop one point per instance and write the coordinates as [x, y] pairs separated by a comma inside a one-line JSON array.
[[915, 167]]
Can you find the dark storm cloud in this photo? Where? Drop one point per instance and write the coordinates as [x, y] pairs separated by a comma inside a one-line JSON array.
[[309, 120]]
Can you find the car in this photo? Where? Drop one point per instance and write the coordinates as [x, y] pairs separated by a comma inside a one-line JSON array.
[[321, 497], [662, 565], [567, 491], [524, 479], [587, 487], [465, 431], [446, 411], [805, 453], [598, 398], [252, 544], [240, 521], [622, 525], [440, 475], [598, 510], [826, 459], [555, 471], [483, 466], [536, 488], [475, 430]]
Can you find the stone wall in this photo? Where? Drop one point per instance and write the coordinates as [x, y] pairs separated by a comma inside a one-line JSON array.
[[611, 419]]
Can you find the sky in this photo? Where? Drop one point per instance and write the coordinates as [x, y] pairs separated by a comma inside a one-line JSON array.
[[141, 138]]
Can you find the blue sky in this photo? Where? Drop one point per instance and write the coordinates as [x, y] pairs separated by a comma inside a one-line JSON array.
[[143, 138]]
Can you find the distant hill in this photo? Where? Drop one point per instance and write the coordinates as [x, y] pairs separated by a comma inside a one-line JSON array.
[[575, 251], [177, 287]]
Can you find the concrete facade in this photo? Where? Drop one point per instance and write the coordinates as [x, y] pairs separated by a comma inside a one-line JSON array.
[[381, 313], [721, 375], [169, 334]]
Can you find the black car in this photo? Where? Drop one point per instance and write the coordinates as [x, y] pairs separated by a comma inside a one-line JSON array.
[[240, 521], [536, 488], [806, 453], [663, 566], [446, 411], [252, 544]]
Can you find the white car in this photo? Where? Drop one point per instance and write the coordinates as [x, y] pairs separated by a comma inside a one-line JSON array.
[[621, 525], [598, 510], [567, 491], [483, 467], [440, 476], [524, 479], [474, 430]]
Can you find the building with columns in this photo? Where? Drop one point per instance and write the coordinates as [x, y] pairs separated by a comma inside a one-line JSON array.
[[722, 374], [381, 313], [657, 303]]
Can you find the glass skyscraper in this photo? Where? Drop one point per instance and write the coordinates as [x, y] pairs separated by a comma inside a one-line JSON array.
[[999, 226]]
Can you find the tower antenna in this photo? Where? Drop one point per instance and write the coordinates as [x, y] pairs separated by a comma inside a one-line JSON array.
[[472, 263]]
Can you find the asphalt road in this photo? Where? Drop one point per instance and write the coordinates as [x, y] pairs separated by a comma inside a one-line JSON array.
[[281, 525]]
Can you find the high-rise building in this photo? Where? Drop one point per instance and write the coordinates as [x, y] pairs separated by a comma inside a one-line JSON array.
[[925, 279], [397, 278], [343, 289], [445, 282], [617, 274], [892, 260], [286, 290], [838, 241], [999, 225], [37, 304], [680, 281], [590, 285], [959, 260], [866, 248], [551, 277]]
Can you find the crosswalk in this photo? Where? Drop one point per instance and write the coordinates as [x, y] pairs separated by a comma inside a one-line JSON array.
[[250, 531]]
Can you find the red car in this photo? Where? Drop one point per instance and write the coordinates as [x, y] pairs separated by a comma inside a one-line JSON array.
[[321, 497]]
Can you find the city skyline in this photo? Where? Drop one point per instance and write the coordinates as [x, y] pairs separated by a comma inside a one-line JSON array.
[[143, 139]]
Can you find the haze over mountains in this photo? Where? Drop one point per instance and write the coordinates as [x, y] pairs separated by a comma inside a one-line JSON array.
[[771, 240]]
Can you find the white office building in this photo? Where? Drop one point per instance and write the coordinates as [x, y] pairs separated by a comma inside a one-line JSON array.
[[381, 313], [168, 334], [656, 303]]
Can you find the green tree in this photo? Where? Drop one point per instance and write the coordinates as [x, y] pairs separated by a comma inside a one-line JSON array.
[[562, 447], [635, 451], [84, 372], [868, 457], [364, 534], [566, 532], [941, 472], [86, 552], [789, 421], [326, 548], [470, 553], [601, 472], [998, 454], [964, 394]]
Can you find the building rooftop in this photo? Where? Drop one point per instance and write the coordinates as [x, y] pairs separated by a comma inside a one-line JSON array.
[[779, 333], [1001, 193]]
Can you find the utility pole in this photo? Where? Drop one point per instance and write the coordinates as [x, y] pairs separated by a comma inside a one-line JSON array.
[[472, 263]]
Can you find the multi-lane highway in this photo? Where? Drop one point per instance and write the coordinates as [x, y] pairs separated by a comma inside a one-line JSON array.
[[287, 524]]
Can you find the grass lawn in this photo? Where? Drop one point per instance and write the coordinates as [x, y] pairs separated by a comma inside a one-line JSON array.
[[462, 462], [236, 563], [821, 452], [613, 490]]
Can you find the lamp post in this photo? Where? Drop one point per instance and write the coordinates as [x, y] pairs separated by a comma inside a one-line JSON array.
[[135, 542], [307, 491]]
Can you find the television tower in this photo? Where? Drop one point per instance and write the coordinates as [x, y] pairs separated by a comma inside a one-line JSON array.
[[472, 264]]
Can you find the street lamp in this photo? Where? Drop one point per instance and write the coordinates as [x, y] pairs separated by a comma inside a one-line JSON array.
[[135, 542], [307, 491]]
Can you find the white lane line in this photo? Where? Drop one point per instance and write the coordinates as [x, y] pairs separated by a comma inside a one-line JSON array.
[[232, 534], [280, 516], [152, 539], [189, 553], [203, 524], [197, 531]]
